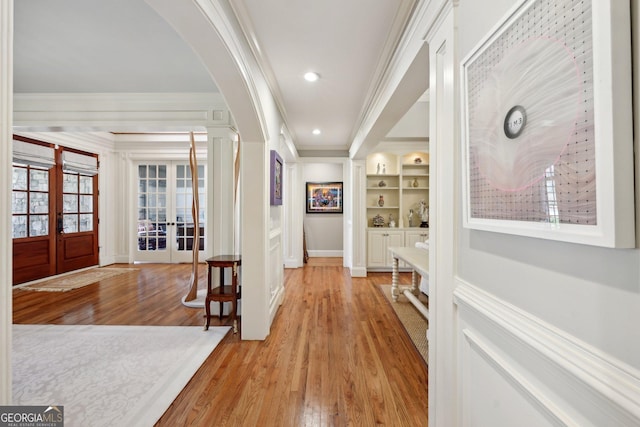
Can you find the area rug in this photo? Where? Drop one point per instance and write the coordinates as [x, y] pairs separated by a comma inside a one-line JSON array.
[[107, 375], [414, 322], [76, 280]]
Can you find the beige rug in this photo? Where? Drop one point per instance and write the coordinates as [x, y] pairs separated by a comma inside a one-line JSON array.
[[107, 375], [76, 280], [414, 322]]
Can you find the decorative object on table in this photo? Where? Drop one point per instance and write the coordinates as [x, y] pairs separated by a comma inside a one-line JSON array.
[[415, 182], [392, 221], [381, 201], [275, 191], [423, 211], [539, 158], [417, 160], [378, 221], [410, 217], [382, 184], [324, 197]]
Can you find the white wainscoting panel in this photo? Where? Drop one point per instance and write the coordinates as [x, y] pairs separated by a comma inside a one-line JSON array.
[[276, 272], [516, 369]]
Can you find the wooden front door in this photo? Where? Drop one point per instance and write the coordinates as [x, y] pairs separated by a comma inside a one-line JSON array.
[[55, 214], [76, 217]]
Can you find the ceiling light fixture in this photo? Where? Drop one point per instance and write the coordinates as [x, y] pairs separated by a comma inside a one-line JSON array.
[[316, 132], [311, 76]]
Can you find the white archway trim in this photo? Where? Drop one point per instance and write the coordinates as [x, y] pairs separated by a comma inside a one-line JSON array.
[[210, 27]]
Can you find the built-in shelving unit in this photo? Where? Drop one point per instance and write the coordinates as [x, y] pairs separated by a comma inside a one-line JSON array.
[[402, 181]]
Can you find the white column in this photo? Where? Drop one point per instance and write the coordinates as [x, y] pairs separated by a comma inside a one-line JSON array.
[[220, 203], [358, 219], [6, 260], [293, 202], [254, 240], [444, 395]]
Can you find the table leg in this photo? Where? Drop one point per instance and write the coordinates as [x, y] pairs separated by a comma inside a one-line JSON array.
[[395, 292], [234, 303], [414, 283], [207, 302], [221, 284]]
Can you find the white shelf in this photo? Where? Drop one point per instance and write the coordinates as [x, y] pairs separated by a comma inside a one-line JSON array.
[[383, 188]]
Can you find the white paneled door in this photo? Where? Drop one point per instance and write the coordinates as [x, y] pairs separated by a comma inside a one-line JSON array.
[[164, 218]]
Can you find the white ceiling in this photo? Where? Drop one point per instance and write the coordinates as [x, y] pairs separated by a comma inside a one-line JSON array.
[[102, 46]]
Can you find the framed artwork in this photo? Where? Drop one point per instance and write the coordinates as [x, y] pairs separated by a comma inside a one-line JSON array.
[[324, 197], [547, 125], [275, 192]]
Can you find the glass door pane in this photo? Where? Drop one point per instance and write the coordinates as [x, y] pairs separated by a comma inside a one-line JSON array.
[[152, 211]]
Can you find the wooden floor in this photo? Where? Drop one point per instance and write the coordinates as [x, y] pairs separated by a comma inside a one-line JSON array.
[[333, 357]]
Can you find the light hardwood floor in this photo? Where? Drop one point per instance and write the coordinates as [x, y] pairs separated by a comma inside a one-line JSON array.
[[336, 356]]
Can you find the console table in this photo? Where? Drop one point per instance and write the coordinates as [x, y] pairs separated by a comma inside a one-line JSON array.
[[418, 260], [223, 293]]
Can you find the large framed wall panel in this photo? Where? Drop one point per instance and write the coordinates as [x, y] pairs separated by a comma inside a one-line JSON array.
[[537, 374]]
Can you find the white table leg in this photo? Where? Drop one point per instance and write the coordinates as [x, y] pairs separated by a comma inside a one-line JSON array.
[[395, 292]]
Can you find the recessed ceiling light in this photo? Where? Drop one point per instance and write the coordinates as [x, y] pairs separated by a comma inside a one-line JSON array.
[[316, 132], [311, 76]]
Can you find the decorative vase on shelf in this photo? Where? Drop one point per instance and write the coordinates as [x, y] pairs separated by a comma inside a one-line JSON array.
[[382, 184], [384, 169], [381, 201], [415, 182]]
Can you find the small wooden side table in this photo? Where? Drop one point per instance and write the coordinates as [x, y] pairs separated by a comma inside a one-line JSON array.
[[224, 292]]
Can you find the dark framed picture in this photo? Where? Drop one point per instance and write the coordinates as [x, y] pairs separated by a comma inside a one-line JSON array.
[[275, 193], [324, 197]]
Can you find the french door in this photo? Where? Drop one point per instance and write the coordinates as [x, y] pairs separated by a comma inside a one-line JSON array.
[[165, 223]]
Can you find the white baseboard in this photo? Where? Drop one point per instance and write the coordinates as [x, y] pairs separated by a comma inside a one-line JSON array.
[[293, 264], [325, 253], [358, 272]]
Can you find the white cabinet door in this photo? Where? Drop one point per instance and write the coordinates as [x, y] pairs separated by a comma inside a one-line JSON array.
[[413, 236], [376, 249], [379, 242], [394, 239]]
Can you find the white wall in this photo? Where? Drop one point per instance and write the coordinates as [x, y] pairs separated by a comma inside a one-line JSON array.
[[547, 331], [595, 290], [415, 122], [324, 232]]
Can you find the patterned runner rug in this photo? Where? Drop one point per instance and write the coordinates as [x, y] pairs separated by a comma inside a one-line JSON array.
[[107, 375], [414, 322], [76, 280]]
